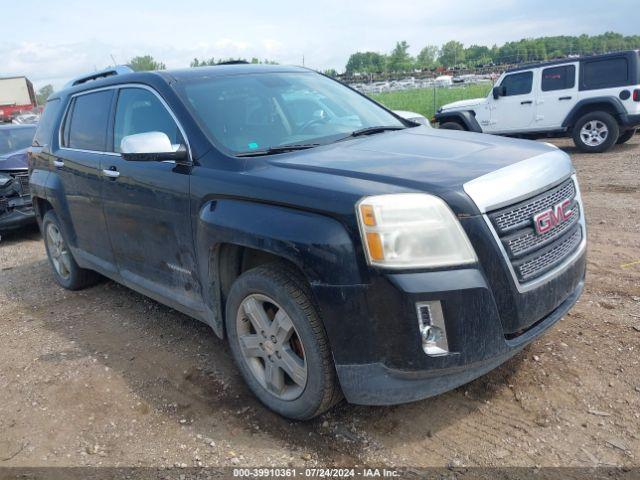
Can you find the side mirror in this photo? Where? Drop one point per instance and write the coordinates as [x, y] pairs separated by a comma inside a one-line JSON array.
[[152, 147], [499, 91]]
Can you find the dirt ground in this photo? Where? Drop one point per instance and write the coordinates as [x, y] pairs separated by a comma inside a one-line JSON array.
[[105, 376]]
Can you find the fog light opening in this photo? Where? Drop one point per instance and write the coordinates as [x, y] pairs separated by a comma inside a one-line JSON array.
[[432, 329]]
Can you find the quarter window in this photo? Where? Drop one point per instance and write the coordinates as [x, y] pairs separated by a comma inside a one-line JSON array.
[[517, 83], [558, 78], [608, 73], [140, 111], [86, 126]]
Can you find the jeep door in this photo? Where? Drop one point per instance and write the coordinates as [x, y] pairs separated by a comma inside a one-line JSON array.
[[147, 204], [558, 94], [515, 111], [78, 164]]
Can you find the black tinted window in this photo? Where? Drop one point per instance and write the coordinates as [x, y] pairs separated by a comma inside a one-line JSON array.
[[558, 78], [612, 72], [88, 122], [140, 111], [517, 83], [45, 125]]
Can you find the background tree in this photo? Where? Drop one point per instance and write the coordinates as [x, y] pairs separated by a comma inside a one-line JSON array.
[[427, 57], [44, 93], [400, 60], [366, 62], [451, 54], [146, 63]]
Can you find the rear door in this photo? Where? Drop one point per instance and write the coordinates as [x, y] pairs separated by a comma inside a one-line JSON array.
[[515, 111], [558, 93], [78, 164], [147, 204]]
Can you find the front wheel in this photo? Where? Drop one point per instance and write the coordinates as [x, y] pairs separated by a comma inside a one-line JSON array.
[[451, 126], [595, 132], [626, 136], [279, 343]]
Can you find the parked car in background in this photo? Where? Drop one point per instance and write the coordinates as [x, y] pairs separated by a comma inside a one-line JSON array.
[[16, 209], [16, 97], [341, 249], [26, 119], [595, 100]]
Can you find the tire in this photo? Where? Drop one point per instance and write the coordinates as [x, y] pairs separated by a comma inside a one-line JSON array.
[[451, 126], [268, 351], [65, 269], [595, 132], [626, 136]]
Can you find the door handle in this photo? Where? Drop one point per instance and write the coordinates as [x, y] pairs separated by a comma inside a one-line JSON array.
[[111, 172], [58, 163], [564, 98], [526, 102]]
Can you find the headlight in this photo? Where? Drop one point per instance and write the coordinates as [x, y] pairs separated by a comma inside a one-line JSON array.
[[412, 230]]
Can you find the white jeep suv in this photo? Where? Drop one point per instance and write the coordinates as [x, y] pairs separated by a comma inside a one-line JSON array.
[[595, 99]]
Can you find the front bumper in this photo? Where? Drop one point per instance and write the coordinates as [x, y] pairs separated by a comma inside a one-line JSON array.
[[377, 347], [16, 212]]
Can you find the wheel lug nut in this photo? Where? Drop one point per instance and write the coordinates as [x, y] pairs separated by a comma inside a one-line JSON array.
[[274, 339]]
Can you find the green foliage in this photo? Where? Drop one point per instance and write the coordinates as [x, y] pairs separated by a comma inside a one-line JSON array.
[[455, 54], [421, 100], [331, 72], [145, 63], [43, 94]]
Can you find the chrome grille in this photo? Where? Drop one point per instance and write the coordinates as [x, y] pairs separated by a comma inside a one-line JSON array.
[[532, 255], [23, 179], [548, 259], [519, 215]]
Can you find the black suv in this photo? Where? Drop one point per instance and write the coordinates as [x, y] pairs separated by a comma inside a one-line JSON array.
[[341, 249]]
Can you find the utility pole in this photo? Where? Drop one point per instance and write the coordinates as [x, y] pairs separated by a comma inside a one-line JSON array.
[[303, 59]]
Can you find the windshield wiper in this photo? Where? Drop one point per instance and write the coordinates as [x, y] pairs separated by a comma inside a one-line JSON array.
[[372, 130], [278, 149]]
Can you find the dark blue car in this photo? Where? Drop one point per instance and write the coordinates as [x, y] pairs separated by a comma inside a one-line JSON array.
[[341, 250], [16, 209]]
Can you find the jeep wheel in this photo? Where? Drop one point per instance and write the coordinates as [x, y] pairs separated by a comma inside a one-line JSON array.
[[279, 343], [65, 269], [626, 136], [595, 132], [451, 126]]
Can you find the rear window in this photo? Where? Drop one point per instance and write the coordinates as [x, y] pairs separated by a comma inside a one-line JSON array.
[[86, 125], [45, 125], [518, 83], [607, 73], [558, 78]]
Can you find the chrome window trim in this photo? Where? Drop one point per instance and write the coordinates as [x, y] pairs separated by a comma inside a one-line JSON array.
[[519, 181], [118, 87], [535, 283]]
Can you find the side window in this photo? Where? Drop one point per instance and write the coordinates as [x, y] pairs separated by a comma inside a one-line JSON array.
[[558, 78], [86, 123], [607, 73], [518, 83], [140, 111], [45, 125]]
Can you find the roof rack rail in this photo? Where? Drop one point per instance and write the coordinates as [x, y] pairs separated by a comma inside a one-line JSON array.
[[233, 62], [107, 72]]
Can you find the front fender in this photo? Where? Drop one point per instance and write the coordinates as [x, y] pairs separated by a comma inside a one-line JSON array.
[[465, 117]]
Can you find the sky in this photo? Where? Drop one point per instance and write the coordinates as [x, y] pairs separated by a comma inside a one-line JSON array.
[[51, 42]]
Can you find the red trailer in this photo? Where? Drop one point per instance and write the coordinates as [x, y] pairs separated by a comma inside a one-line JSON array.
[[16, 97]]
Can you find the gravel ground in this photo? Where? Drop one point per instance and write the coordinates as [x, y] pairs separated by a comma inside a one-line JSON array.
[[105, 376]]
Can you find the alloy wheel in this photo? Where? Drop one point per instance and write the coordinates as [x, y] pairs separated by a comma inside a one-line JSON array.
[[58, 251], [594, 133], [271, 347]]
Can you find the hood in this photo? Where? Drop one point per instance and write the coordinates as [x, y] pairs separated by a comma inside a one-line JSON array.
[[16, 160], [471, 102], [424, 159]]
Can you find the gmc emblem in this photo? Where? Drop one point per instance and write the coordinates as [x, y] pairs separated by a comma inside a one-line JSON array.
[[545, 221]]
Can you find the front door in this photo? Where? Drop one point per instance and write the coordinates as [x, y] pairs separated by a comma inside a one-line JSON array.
[[78, 164], [515, 111], [558, 94], [146, 205]]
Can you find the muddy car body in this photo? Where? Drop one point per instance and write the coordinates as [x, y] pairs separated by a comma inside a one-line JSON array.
[[352, 252]]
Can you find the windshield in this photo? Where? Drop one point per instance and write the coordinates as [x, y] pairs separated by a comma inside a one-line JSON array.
[[12, 139], [245, 113]]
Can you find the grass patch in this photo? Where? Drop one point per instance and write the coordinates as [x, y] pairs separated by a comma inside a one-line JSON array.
[[421, 100]]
